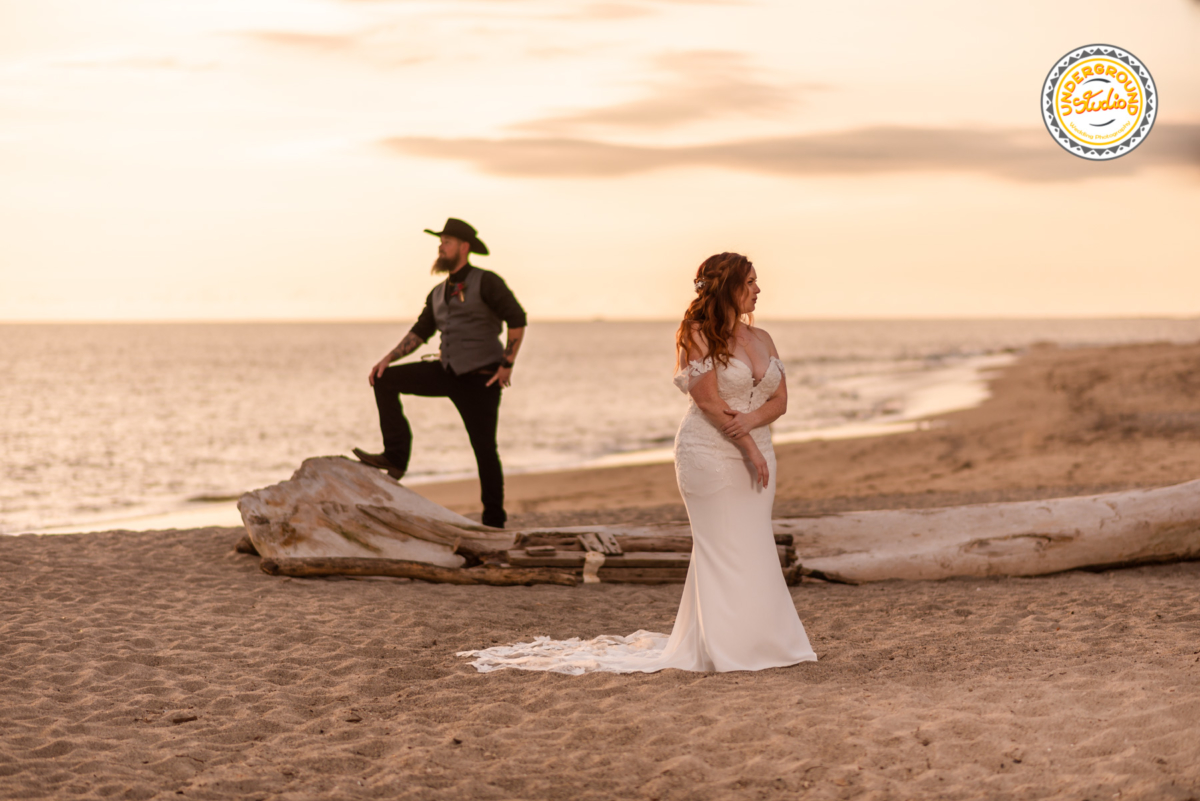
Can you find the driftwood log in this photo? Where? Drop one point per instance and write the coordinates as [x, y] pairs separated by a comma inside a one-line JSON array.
[[333, 507], [643, 542], [1028, 538], [635, 557], [311, 567]]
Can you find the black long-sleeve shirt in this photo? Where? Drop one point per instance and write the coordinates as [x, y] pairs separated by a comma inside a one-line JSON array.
[[492, 289]]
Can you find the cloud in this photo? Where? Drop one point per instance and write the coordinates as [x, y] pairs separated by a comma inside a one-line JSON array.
[[695, 85], [149, 63], [630, 9], [643, 3], [1020, 155], [370, 44], [307, 41], [611, 11], [598, 11]]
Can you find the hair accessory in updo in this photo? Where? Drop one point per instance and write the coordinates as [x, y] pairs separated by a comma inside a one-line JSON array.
[[699, 283]]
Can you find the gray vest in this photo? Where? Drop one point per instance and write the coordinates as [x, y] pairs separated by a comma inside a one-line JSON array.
[[470, 329]]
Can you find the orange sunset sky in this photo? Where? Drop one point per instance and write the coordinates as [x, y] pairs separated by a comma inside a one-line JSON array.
[[278, 159]]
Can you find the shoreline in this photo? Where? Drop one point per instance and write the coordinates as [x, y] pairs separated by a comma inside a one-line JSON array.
[[922, 394], [1058, 422]]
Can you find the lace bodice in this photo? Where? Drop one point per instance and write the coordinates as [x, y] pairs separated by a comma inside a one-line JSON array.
[[735, 383], [705, 459]]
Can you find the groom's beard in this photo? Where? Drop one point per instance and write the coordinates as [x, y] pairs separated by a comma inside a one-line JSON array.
[[444, 265]]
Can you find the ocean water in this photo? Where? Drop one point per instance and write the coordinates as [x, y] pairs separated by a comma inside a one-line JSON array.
[[105, 422]]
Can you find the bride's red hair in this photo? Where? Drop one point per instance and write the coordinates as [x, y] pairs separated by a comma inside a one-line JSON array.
[[721, 280]]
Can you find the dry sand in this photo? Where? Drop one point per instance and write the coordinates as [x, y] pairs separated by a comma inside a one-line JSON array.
[[143, 665]]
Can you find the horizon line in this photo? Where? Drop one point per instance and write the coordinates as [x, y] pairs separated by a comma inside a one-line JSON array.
[[1018, 317]]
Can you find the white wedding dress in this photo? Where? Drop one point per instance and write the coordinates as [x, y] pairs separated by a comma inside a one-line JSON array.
[[736, 612]]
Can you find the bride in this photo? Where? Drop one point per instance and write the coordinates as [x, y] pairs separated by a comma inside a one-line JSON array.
[[736, 612]]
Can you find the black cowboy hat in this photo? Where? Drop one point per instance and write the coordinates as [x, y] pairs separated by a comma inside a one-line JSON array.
[[460, 230]]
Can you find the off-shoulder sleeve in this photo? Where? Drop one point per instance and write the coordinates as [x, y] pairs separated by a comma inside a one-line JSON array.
[[691, 372]]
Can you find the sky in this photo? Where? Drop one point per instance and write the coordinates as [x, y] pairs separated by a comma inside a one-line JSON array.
[[279, 159]]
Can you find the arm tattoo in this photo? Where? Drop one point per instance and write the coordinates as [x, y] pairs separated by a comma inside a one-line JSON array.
[[515, 335], [407, 345]]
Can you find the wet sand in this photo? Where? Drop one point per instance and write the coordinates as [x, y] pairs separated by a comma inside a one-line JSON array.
[[163, 664]]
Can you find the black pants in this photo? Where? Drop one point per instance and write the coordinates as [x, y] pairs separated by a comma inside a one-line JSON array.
[[477, 404]]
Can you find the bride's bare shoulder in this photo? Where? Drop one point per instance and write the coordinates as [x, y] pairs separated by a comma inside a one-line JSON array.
[[763, 337], [760, 334], [697, 345], [696, 335]]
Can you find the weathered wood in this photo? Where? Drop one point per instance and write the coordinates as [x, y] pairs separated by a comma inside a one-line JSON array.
[[468, 537], [572, 560], [669, 544], [592, 562], [564, 559], [334, 507], [547, 534], [1027, 538], [560, 542], [634, 559], [591, 542], [312, 567], [609, 543], [575, 559], [643, 575], [600, 542], [337, 507], [641, 541]]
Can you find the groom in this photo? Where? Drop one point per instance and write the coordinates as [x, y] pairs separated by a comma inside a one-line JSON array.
[[470, 308]]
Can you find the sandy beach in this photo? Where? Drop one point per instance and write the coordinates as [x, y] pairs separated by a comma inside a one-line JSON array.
[[165, 665]]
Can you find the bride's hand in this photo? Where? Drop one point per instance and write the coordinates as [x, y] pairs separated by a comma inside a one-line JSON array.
[[736, 426], [759, 463]]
